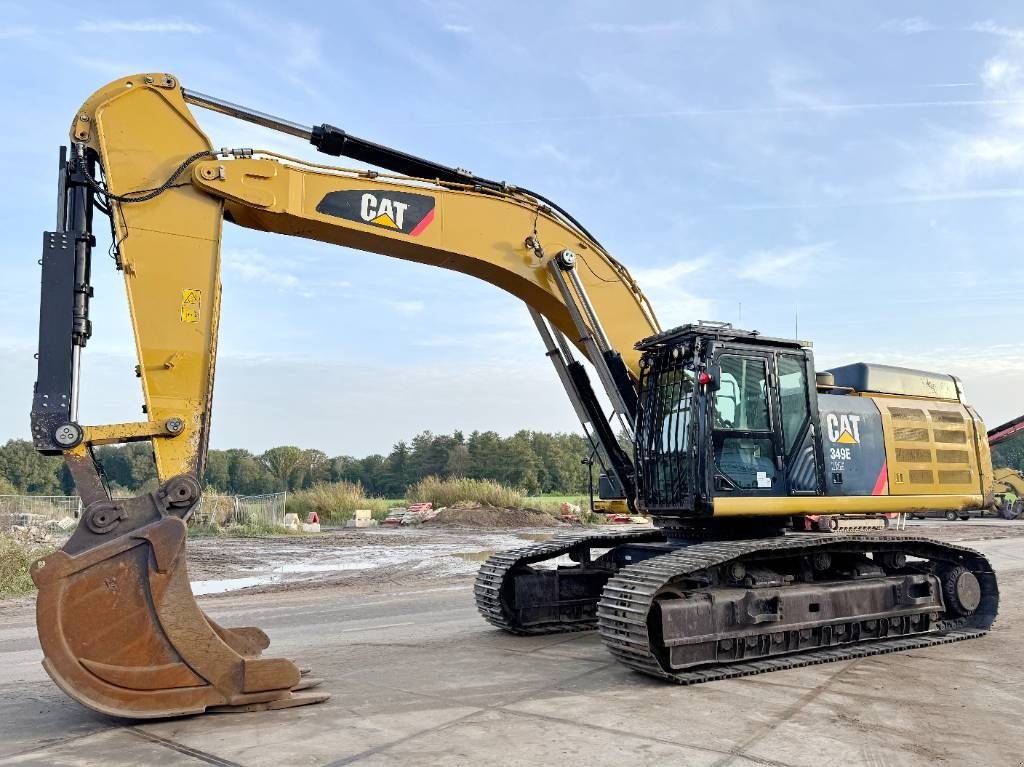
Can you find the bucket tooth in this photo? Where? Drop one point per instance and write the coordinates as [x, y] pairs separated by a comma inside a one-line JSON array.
[[122, 633]]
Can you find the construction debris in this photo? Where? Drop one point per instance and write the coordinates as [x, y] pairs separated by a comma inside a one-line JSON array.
[[362, 519], [472, 514]]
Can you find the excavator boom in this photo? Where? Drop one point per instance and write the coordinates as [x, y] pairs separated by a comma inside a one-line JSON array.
[[139, 156]]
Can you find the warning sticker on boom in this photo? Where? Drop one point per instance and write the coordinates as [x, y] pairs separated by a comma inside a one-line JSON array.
[[191, 301], [401, 212]]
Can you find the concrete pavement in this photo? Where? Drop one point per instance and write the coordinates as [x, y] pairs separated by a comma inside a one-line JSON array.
[[418, 678]]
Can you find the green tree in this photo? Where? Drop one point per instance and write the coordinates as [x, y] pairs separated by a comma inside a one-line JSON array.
[[248, 475], [217, 473], [459, 462], [28, 470], [283, 462], [313, 468], [396, 471]]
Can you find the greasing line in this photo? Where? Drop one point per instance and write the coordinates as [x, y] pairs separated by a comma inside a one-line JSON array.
[[195, 753]]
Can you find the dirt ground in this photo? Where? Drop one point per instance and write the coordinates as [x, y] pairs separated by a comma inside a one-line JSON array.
[[375, 559], [384, 558], [417, 678], [475, 515]]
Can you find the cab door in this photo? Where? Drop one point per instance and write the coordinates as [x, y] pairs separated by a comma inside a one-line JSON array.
[[748, 443], [797, 408]]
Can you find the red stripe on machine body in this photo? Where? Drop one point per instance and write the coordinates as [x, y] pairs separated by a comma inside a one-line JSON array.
[[882, 483], [422, 224]]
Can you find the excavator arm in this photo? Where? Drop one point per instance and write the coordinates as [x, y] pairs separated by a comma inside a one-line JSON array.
[[139, 156]]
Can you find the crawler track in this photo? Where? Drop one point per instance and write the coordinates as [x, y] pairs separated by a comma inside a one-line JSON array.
[[493, 579], [629, 597]]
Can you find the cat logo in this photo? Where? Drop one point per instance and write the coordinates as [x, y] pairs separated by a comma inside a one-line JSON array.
[[384, 212], [843, 429], [398, 211]]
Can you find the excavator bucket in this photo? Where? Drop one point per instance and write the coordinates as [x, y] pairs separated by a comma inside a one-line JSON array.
[[122, 633]]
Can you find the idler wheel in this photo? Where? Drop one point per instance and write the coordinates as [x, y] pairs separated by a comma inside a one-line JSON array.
[[962, 590]]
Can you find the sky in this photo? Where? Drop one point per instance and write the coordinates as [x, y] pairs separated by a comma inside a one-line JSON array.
[[851, 173]]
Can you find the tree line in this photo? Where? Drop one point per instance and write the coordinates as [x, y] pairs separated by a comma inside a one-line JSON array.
[[534, 462]]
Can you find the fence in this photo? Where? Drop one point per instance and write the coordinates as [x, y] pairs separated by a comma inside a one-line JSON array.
[[56, 515], [262, 510]]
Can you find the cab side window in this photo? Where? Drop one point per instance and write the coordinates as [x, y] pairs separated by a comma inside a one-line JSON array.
[[741, 403], [793, 398]]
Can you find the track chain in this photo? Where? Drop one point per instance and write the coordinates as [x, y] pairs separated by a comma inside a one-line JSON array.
[[629, 596], [494, 573]]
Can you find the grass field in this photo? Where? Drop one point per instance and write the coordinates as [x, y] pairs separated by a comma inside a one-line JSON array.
[[579, 500]]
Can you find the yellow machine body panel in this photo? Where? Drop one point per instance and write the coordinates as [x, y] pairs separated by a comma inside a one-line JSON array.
[[934, 448]]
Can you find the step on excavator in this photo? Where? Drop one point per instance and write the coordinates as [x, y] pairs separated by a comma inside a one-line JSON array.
[[735, 437]]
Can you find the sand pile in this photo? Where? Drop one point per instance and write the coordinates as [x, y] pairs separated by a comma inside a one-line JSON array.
[[470, 514]]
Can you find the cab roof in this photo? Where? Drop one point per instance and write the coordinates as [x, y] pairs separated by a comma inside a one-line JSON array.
[[719, 331]]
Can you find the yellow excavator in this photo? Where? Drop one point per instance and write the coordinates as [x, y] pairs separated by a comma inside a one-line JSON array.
[[1008, 483], [735, 435]]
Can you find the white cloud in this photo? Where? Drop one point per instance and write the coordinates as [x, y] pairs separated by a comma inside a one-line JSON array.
[[252, 266], [990, 27], [799, 87], [949, 85], [992, 151], [784, 266], [998, 73], [668, 276], [458, 29], [912, 25], [652, 28], [162, 26], [666, 289]]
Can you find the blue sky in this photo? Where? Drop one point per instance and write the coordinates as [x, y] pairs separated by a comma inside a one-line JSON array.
[[859, 167]]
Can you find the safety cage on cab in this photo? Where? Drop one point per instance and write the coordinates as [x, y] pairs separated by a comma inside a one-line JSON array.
[[719, 418]]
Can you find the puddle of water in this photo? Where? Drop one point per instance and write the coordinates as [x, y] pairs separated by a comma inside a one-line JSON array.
[[231, 584], [298, 565], [473, 556]]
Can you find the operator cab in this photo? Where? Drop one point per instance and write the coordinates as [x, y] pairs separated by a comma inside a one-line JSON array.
[[723, 412]]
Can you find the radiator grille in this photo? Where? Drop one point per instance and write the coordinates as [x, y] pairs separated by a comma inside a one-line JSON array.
[[914, 455], [907, 434], [961, 477], [946, 416], [952, 456], [951, 435], [907, 413], [921, 477]]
